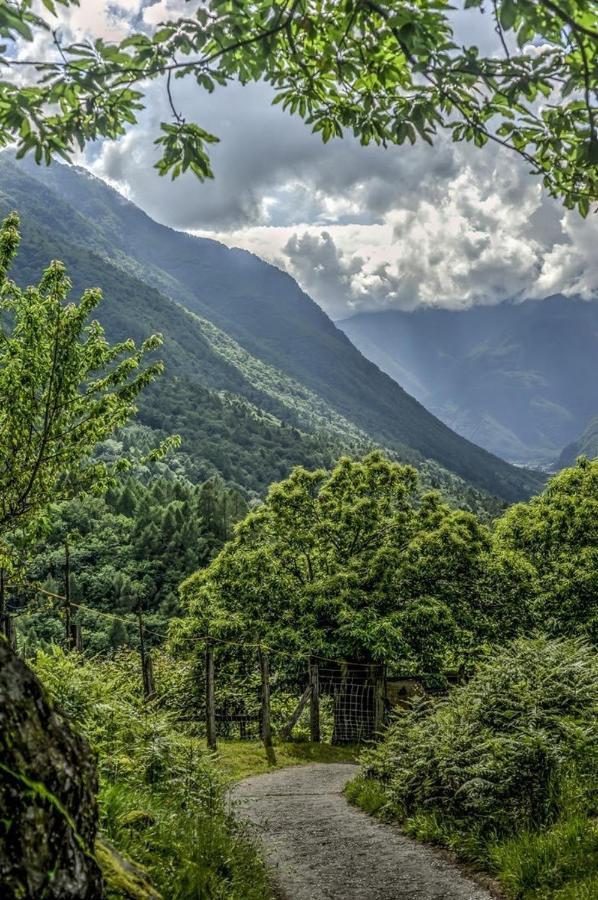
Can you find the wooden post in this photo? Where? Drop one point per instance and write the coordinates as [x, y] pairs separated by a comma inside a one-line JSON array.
[[76, 638], [147, 669], [68, 631], [2, 599], [379, 700], [266, 726], [7, 625], [142, 647], [210, 697], [314, 701], [11, 632], [148, 677], [4, 623], [286, 732]]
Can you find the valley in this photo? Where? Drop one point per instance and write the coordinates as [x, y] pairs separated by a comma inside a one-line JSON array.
[[298, 450], [517, 378]]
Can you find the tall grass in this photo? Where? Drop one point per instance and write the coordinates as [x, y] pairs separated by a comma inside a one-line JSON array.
[[540, 862], [162, 798]]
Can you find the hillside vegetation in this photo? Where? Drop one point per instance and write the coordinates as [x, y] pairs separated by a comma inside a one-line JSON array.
[[585, 445], [297, 365]]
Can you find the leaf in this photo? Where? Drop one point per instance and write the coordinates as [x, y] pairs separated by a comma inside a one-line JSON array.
[[508, 14]]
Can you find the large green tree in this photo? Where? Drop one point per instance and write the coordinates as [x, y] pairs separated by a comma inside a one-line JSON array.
[[357, 563], [388, 72], [556, 535], [63, 389]]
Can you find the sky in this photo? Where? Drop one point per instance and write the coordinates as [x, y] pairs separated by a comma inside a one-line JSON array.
[[359, 228]]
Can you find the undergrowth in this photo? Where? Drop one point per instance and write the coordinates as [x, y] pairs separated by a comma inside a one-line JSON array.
[[504, 771], [162, 795]]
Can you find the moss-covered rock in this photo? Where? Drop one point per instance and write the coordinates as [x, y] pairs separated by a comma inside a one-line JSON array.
[[48, 786], [124, 879]]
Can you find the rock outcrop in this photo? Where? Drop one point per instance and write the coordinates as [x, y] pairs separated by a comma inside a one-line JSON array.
[[48, 786]]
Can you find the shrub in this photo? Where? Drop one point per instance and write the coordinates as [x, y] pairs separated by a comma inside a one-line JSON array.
[[162, 797], [495, 754]]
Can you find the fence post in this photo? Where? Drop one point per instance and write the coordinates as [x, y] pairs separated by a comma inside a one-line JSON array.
[[68, 630], [148, 677], [5, 623], [314, 701], [266, 726], [147, 669], [76, 637], [379, 700], [210, 697], [10, 632]]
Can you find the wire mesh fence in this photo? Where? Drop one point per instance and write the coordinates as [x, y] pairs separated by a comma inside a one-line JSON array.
[[245, 691], [353, 701]]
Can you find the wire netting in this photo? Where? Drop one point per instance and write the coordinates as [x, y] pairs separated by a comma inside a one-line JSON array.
[[353, 695]]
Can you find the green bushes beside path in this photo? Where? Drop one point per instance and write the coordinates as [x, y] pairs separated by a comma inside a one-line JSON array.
[[504, 770]]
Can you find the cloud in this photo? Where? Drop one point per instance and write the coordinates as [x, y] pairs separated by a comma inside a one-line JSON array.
[[360, 228], [485, 233], [269, 167]]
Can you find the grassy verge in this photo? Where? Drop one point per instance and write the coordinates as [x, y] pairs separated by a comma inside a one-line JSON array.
[[177, 828], [240, 759], [559, 862], [187, 843]]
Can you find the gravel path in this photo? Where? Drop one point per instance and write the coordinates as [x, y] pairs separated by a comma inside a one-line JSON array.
[[321, 848]]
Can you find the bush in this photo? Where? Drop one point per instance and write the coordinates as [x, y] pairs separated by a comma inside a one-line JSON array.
[[495, 755], [162, 797]]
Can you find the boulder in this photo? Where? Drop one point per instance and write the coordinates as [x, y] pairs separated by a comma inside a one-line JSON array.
[[48, 787]]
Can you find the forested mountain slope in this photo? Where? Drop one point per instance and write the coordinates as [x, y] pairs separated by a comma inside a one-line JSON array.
[[518, 378], [272, 345], [585, 445], [238, 417]]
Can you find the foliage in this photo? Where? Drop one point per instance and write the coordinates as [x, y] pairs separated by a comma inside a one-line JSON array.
[[64, 388], [494, 754], [161, 798], [504, 770], [357, 563], [129, 548], [557, 534], [539, 864], [386, 72], [367, 793]]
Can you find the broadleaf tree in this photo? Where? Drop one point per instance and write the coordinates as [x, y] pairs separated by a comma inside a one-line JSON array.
[[388, 72], [358, 563], [63, 389], [556, 533]]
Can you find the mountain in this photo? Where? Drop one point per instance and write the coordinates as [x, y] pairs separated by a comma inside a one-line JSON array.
[[518, 378], [233, 324], [585, 445]]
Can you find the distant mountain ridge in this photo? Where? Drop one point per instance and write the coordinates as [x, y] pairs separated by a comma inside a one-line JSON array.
[[232, 323], [521, 379], [585, 445]]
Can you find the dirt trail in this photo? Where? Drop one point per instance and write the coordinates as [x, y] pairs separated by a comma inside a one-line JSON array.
[[321, 848]]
